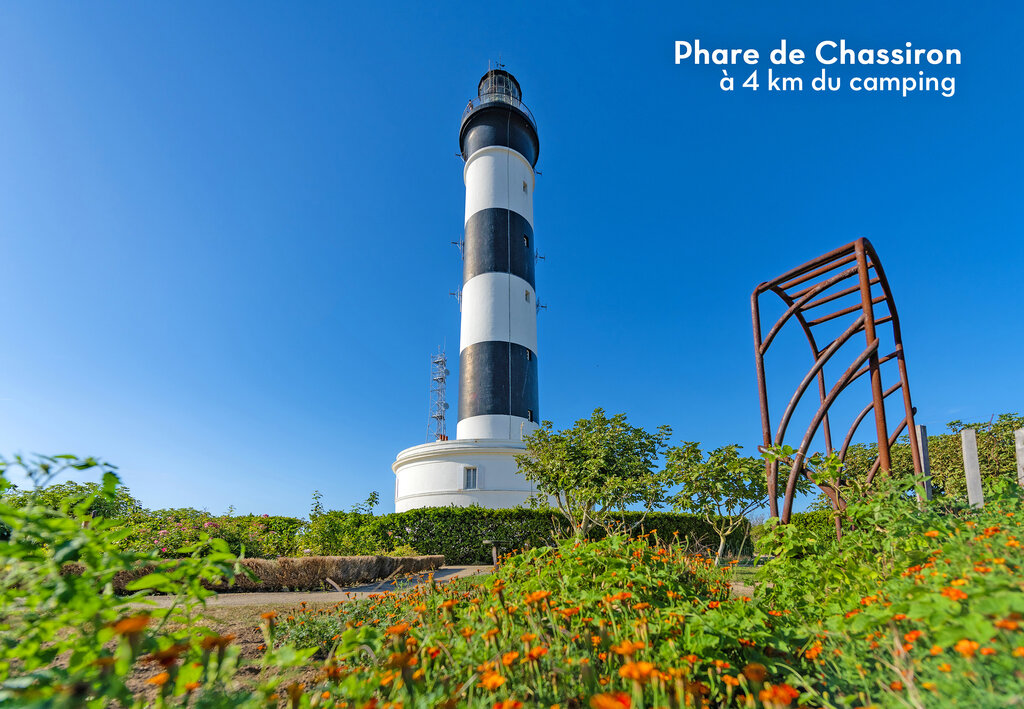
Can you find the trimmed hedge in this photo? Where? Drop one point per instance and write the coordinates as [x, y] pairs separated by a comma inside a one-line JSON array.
[[818, 524], [458, 533], [308, 573]]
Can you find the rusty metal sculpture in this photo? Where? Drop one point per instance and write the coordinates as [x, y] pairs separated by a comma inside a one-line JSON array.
[[823, 280]]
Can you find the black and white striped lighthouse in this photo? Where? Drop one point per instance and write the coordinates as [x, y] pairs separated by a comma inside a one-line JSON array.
[[498, 396], [498, 402]]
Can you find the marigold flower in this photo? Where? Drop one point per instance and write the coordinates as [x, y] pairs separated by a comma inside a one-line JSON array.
[[691, 658], [755, 672], [944, 667], [641, 606], [627, 647], [637, 671], [780, 694], [216, 642], [618, 700], [400, 629], [713, 605], [965, 647], [528, 637], [569, 612], [491, 681], [509, 657], [270, 615], [159, 680], [193, 686], [1006, 624], [536, 597], [1018, 651], [913, 635], [932, 533], [535, 653], [467, 632], [508, 704], [813, 651], [935, 650], [953, 594], [166, 657], [433, 651], [731, 681], [132, 625], [988, 651], [777, 614]]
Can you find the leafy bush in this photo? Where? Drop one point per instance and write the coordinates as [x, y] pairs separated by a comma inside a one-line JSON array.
[[164, 531]]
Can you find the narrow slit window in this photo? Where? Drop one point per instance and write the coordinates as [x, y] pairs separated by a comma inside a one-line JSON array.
[[527, 296], [526, 241], [529, 415], [469, 478], [524, 185], [529, 355]]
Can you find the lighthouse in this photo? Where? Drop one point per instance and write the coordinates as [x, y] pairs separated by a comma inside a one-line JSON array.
[[498, 382]]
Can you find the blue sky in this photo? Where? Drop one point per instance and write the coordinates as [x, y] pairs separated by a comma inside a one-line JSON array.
[[225, 227]]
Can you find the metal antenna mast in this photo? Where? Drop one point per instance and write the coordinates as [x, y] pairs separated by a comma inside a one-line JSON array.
[[438, 405]]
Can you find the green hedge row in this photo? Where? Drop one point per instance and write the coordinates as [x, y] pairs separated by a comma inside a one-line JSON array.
[[459, 532]]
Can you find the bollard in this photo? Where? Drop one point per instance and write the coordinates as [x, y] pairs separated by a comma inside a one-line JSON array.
[[1018, 437], [969, 440], [926, 464]]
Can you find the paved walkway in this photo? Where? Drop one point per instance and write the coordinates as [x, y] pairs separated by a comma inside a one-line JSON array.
[[441, 575]]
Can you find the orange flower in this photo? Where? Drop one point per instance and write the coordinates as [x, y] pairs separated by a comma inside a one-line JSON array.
[[936, 650], [508, 704], [535, 653], [713, 605], [193, 686], [627, 648], [491, 681], [216, 642], [932, 533], [132, 625], [641, 606], [731, 681], [618, 700], [536, 597], [270, 615], [400, 629], [953, 594], [467, 632], [988, 651], [449, 604], [944, 667], [1006, 624], [755, 672], [488, 634], [569, 612], [159, 680], [1018, 651], [691, 658], [166, 657], [780, 694], [813, 651], [508, 658], [528, 637], [912, 635], [896, 686], [965, 647], [637, 671]]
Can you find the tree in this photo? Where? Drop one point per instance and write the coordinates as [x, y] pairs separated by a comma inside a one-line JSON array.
[[119, 503], [596, 468], [723, 487]]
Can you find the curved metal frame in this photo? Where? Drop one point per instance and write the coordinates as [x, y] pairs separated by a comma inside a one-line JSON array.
[[863, 259]]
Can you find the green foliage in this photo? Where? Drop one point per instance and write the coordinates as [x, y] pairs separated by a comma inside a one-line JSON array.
[[597, 469], [996, 456], [165, 531], [722, 486], [101, 638]]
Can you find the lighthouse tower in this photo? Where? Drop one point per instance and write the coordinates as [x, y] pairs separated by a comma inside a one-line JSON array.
[[498, 391]]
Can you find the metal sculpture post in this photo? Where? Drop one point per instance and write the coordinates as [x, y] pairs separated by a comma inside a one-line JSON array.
[[855, 274]]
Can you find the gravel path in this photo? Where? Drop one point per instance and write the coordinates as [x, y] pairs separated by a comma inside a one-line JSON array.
[[222, 600]]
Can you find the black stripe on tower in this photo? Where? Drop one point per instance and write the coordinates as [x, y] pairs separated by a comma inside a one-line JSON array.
[[499, 241], [501, 124], [498, 378]]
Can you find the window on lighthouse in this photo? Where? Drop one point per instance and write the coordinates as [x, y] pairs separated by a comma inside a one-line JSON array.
[[527, 296], [469, 478]]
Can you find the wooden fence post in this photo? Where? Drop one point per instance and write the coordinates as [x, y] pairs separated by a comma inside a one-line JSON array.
[[1018, 436], [926, 465], [969, 440]]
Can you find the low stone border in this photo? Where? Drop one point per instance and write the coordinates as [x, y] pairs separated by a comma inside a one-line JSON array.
[[304, 573]]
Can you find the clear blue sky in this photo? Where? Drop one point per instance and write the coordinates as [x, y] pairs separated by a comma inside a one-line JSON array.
[[225, 227]]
